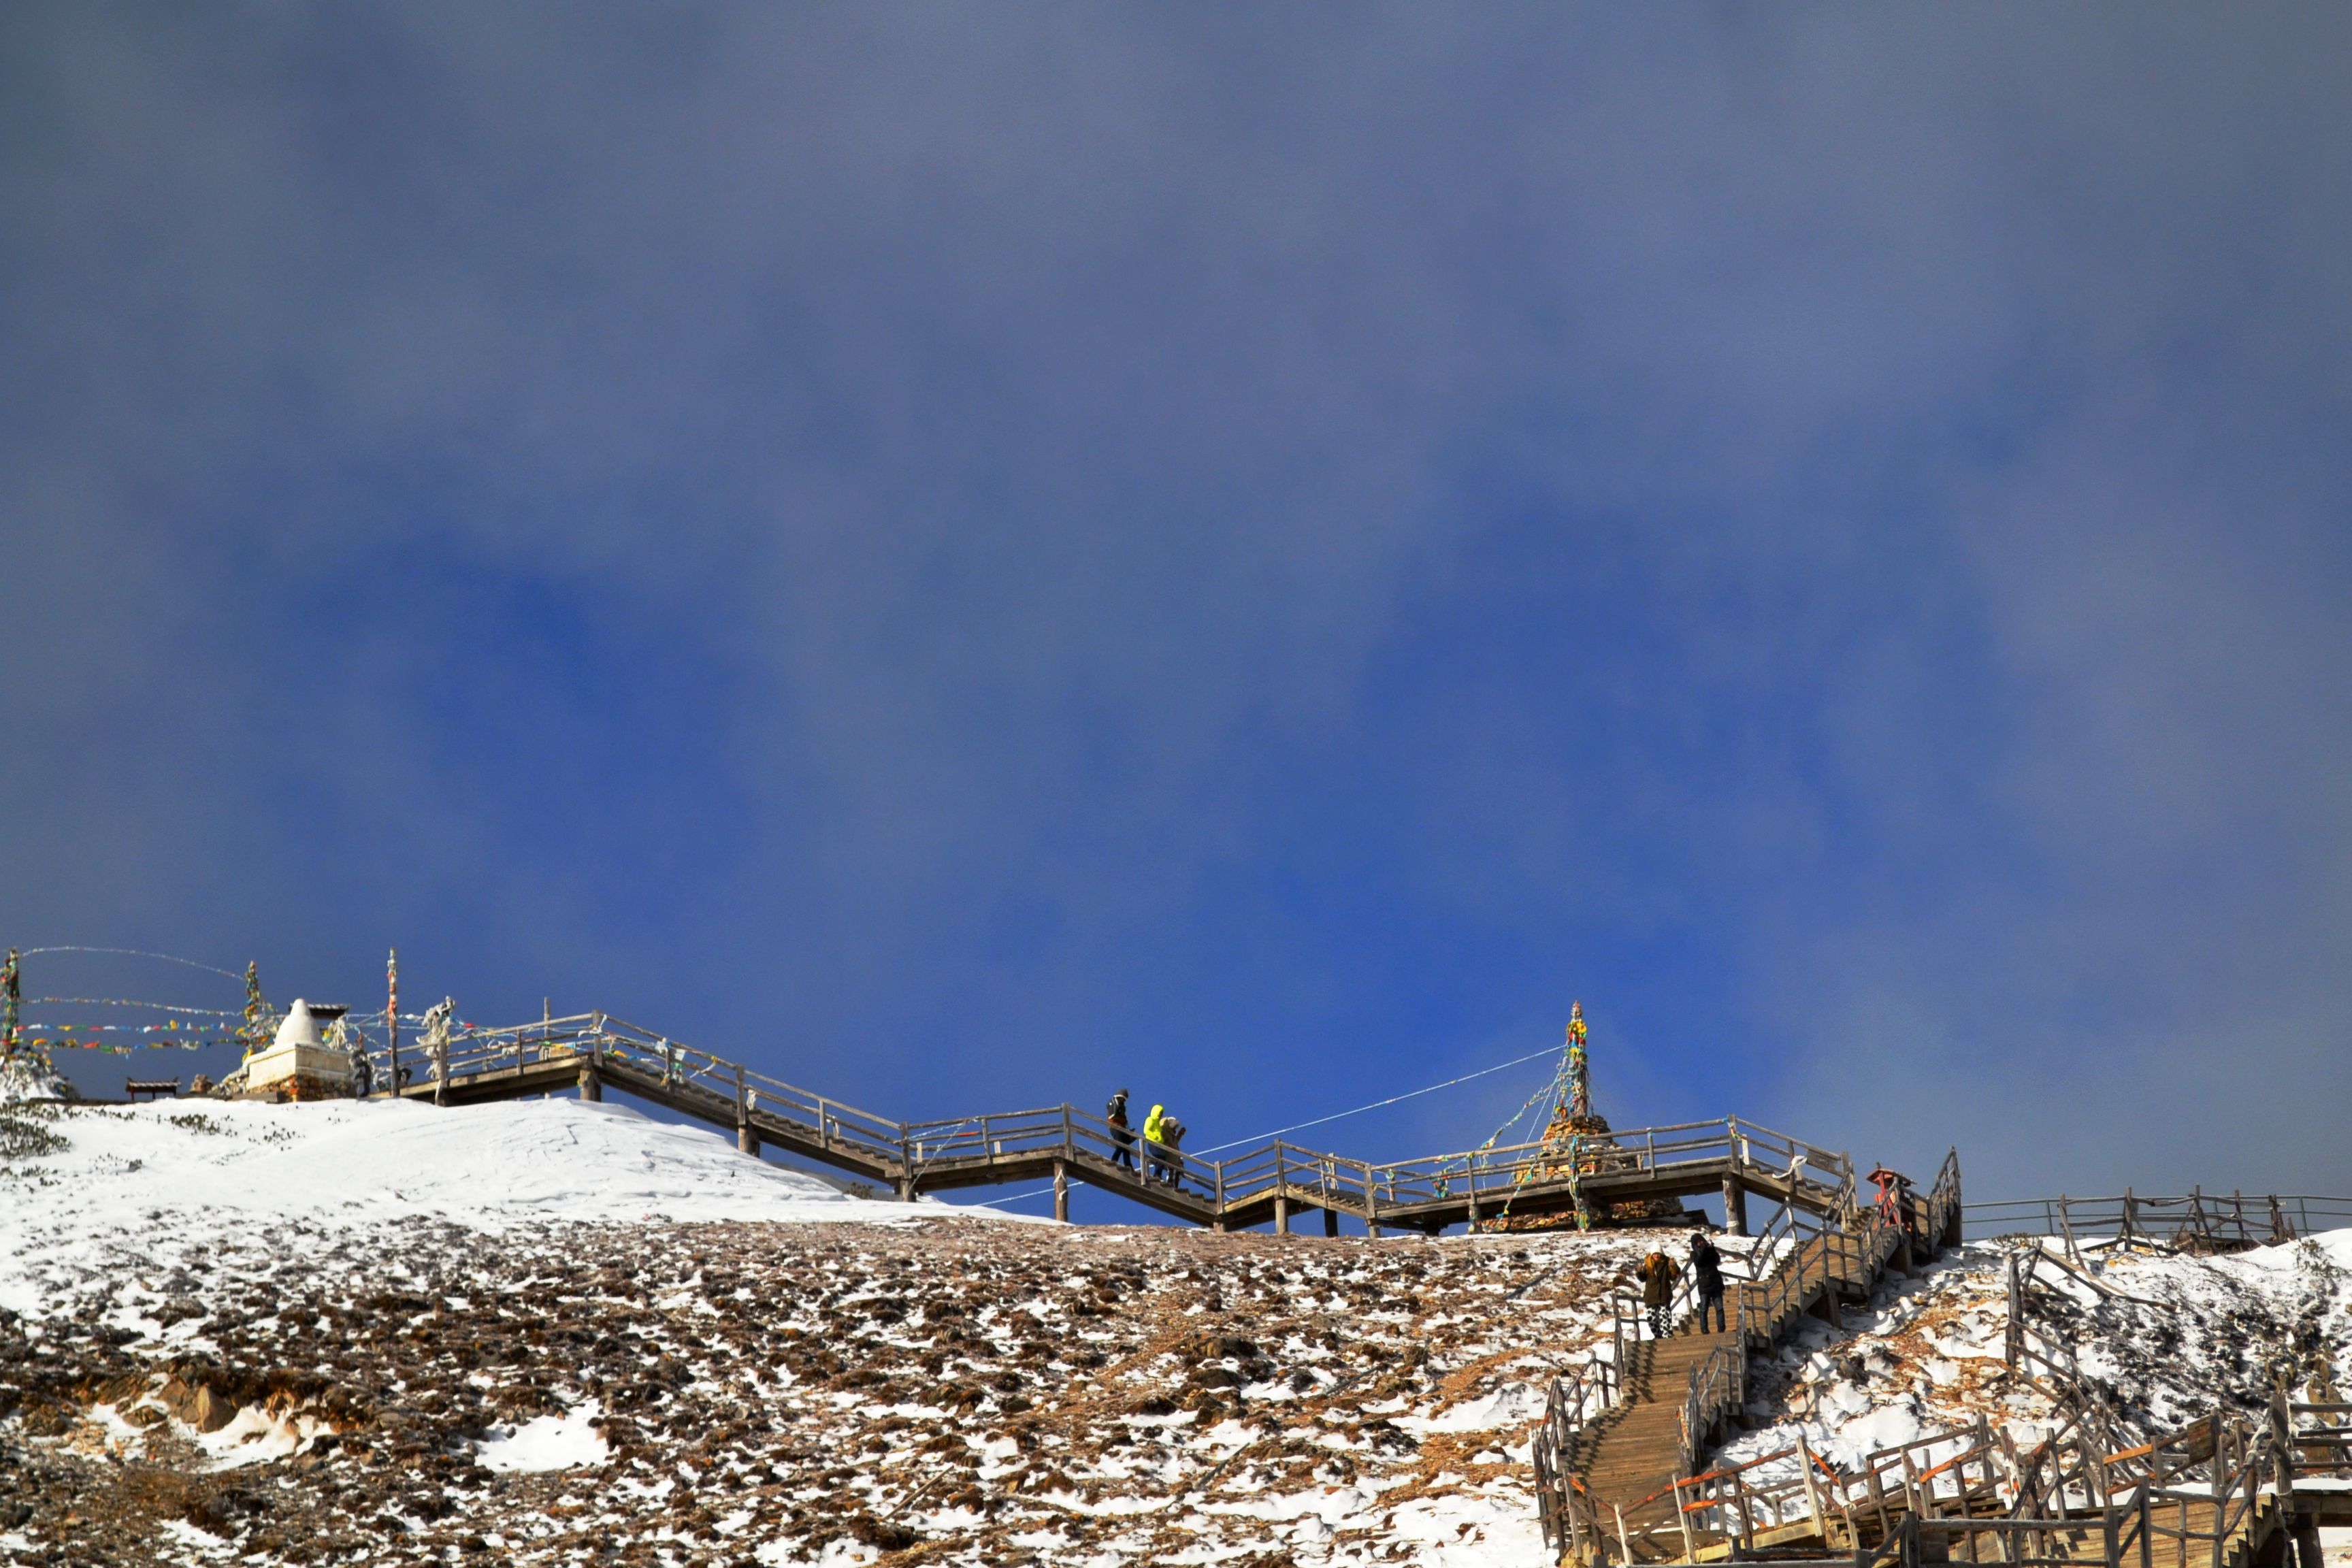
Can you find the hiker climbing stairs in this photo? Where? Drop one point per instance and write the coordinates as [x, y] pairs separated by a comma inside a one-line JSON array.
[[1619, 1457], [1622, 1477]]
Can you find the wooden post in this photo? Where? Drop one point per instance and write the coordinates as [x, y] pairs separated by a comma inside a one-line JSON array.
[[1690, 1547], [1623, 1545], [746, 1140], [1812, 1493], [592, 1086], [1992, 1483], [2283, 1456], [1331, 1222], [2013, 1338], [1734, 1205], [1281, 1214], [1061, 1192]]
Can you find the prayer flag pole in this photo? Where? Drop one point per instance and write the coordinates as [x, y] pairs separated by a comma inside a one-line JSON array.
[[392, 1015]]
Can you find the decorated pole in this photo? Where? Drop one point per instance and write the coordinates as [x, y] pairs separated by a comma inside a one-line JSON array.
[[11, 997], [1579, 1076], [256, 1011], [26, 1071], [392, 1015]]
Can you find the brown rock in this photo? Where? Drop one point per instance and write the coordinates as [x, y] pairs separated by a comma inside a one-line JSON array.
[[200, 1405]]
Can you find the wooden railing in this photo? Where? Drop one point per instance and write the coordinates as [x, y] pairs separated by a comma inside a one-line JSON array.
[[1718, 1386], [2182, 1500], [1586, 1392], [1563, 1507], [1819, 1176], [2325, 1443], [481, 1055], [2089, 1492], [1485, 1180], [1792, 1261], [2198, 1221]]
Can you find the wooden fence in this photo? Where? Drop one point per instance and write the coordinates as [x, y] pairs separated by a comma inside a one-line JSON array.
[[2196, 1221], [2202, 1495], [473, 1063]]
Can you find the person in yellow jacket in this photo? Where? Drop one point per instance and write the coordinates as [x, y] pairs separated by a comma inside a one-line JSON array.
[[1155, 1152]]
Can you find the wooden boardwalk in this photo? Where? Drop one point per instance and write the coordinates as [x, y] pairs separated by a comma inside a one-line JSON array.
[[1276, 1183], [1621, 1478], [1621, 1444]]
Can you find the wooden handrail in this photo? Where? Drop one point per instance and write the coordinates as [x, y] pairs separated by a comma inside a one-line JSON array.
[[901, 1151]]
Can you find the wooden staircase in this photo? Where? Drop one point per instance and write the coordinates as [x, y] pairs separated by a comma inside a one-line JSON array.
[[1638, 1446], [1622, 1442], [1620, 1479]]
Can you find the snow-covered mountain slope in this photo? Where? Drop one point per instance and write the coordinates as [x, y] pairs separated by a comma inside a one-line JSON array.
[[319, 1333], [551, 1332], [160, 1172], [345, 1161], [2166, 1339]]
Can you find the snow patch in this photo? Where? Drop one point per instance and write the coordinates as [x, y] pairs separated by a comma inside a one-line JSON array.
[[548, 1443], [211, 1167]]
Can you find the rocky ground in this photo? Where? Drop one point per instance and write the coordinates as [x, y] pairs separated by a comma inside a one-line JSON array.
[[552, 1334], [943, 1391]]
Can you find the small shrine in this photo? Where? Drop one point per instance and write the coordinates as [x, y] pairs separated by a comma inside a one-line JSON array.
[[299, 1064], [1577, 1143]]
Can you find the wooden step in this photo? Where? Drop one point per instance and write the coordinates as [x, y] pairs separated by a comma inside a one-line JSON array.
[[1636, 1451]]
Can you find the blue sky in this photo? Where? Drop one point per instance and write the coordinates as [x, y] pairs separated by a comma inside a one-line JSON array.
[[971, 557]]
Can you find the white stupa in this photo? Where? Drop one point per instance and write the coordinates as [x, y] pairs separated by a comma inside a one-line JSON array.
[[299, 1065], [27, 1077]]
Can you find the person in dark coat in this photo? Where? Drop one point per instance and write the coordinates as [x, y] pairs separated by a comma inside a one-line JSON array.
[[1122, 1140], [1706, 1282], [1171, 1138], [1657, 1273]]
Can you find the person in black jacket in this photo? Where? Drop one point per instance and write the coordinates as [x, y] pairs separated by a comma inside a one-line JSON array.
[[1122, 1141], [1706, 1281]]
